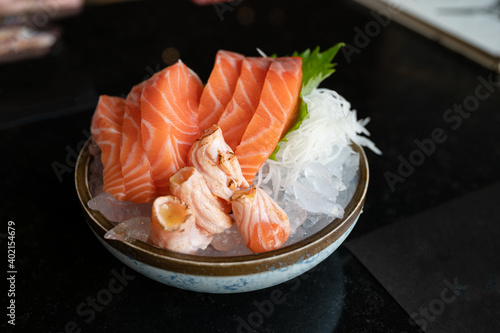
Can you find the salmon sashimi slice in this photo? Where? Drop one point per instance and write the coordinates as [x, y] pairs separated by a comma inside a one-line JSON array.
[[240, 109], [216, 161], [190, 186], [136, 169], [220, 87], [169, 111], [173, 227], [262, 223], [106, 129], [276, 113]]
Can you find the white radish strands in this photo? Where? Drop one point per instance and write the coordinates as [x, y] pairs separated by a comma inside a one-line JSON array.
[[330, 123]]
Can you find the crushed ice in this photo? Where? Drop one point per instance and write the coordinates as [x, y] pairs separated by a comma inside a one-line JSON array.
[[135, 228], [227, 243], [118, 211]]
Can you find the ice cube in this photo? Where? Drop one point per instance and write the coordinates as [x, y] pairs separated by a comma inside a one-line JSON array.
[[336, 165], [350, 167], [227, 243], [346, 195], [210, 251], [298, 235], [230, 237], [318, 178], [239, 250], [296, 214], [118, 211], [315, 222], [135, 228], [312, 201], [316, 169]]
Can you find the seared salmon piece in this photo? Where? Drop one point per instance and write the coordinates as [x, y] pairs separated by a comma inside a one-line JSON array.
[[216, 161], [210, 212], [262, 223], [173, 227]]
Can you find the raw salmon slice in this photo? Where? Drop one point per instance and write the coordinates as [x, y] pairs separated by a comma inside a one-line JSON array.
[[261, 222], [220, 87], [276, 113], [169, 111], [136, 169], [240, 109], [106, 128]]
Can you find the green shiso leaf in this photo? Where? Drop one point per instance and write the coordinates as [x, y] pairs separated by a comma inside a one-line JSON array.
[[316, 67]]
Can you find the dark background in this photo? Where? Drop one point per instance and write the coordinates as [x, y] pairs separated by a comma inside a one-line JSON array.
[[401, 80]]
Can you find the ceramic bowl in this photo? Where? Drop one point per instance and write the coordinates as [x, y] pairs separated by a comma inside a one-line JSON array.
[[224, 274]]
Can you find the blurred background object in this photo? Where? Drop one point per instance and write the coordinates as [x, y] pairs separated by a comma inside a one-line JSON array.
[[24, 26], [468, 27], [52, 8], [210, 2], [20, 42]]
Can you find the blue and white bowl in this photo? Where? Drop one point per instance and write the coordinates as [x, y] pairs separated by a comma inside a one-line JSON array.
[[225, 274]]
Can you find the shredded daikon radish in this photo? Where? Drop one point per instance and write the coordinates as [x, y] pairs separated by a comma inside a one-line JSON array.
[[330, 126]]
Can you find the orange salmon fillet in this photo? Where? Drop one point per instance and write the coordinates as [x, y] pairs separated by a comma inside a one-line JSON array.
[[106, 128], [240, 109], [276, 113], [136, 169], [219, 88], [169, 111]]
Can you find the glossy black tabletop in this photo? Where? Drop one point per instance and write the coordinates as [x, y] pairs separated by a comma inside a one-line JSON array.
[[411, 88]]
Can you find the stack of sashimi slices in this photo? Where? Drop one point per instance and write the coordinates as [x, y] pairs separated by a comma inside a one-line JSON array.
[[194, 150]]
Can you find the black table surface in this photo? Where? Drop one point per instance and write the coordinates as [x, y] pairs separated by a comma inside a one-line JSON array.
[[404, 82]]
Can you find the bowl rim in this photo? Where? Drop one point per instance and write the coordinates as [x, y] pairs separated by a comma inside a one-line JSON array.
[[226, 265]]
